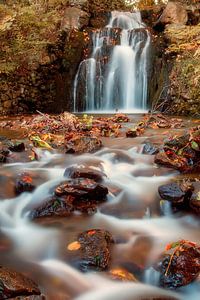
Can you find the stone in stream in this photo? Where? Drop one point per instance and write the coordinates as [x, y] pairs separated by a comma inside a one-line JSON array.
[[78, 194], [131, 133], [83, 144], [195, 198], [181, 267], [82, 188], [91, 250], [175, 162], [24, 183], [149, 149], [16, 146], [14, 284], [84, 172], [171, 192]]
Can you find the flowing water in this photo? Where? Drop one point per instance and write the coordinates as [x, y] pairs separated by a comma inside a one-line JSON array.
[[115, 76], [132, 214]]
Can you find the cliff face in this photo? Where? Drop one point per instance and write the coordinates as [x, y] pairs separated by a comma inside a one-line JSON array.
[[42, 43]]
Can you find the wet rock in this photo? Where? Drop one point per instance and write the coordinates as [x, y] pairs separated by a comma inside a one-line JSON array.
[[178, 142], [3, 155], [120, 118], [82, 188], [121, 274], [16, 147], [195, 198], [13, 284], [83, 144], [84, 172], [73, 195], [53, 207], [131, 133], [92, 250], [149, 149], [171, 192], [175, 161], [24, 183], [181, 267]]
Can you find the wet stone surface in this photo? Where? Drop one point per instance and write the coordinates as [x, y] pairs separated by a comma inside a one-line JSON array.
[[92, 250], [83, 144], [15, 284], [80, 194], [85, 172], [181, 267]]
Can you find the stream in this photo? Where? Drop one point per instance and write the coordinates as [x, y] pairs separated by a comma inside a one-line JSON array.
[[140, 225]]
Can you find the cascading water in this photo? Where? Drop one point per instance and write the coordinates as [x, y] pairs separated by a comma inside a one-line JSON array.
[[115, 76]]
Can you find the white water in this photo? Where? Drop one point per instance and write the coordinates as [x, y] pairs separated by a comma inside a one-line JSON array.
[[115, 77], [41, 246]]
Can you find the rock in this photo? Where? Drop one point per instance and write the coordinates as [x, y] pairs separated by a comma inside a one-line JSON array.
[[24, 183], [178, 142], [53, 207], [16, 147], [74, 18], [131, 133], [13, 284], [176, 162], [171, 192], [121, 274], [81, 188], [84, 172], [182, 268], [195, 198], [73, 195], [3, 157], [149, 149], [120, 118], [83, 144], [174, 13], [92, 250]]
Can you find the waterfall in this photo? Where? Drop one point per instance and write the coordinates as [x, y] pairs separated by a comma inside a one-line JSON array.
[[115, 76]]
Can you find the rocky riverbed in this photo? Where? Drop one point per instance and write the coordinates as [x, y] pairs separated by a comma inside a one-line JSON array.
[[99, 205]]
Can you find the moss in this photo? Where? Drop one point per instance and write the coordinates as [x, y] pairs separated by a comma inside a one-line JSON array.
[[24, 41]]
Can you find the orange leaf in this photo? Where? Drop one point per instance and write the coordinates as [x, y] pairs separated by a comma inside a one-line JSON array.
[[74, 246]]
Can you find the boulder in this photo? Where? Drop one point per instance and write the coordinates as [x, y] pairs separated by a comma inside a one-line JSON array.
[[171, 192], [13, 284], [78, 194], [84, 172], [83, 144], [82, 188], [24, 183], [180, 268], [92, 250], [74, 18], [149, 149], [174, 13], [195, 198]]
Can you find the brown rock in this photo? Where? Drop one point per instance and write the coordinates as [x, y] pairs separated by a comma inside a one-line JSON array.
[[24, 183], [181, 268], [74, 18], [83, 144], [174, 13], [195, 198], [14, 284], [81, 188], [92, 250], [84, 172]]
